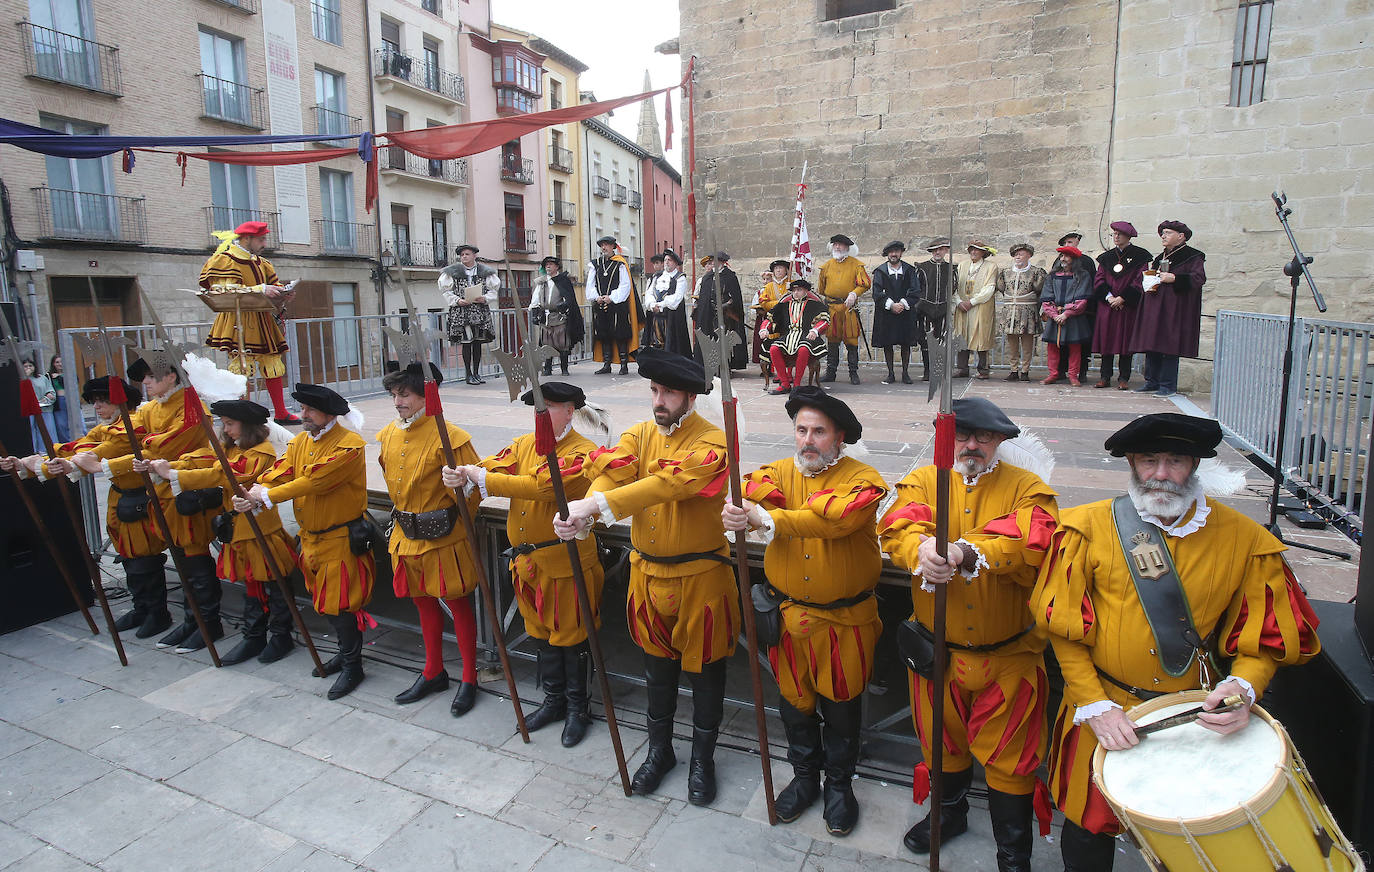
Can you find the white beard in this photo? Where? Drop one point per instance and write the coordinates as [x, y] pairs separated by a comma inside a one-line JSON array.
[[812, 464], [970, 466], [1164, 500]]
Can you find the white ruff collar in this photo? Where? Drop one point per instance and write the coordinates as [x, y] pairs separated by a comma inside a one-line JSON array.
[[673, 427], [838, 458], [404, 423], [1180, 528], [971, 480], [316, 437]]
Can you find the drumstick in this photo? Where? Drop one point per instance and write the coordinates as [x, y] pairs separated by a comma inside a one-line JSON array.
[[1229, 704]]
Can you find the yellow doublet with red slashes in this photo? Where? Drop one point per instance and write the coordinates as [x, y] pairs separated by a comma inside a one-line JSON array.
[[170, 437], [1235, 581], [994, 699], [327, 480], [673, 487], [107, 441], [823, 549], [542, 578], [837, 280], [411, 459], [262, 336]]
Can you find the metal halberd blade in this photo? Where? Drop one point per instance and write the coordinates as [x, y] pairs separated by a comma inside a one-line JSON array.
[[521, 370], [715, 356]]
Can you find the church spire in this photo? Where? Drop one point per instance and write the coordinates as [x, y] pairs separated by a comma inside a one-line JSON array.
[[648, 137]]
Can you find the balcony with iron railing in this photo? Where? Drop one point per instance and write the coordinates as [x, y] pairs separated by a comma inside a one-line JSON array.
[[561, 159], [390, 65], [326, 23], [233, 102], [563, 211], [619, 194], [90, 217], [419, 254], [331, 123], [228, 217], [520, 241], [452, 172], [636, 200], [62, 57], [517, 169], [601, 186], [344, 238], [249, 7]]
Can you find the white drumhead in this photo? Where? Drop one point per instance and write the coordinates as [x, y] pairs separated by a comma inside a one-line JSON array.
[[1191, 772]]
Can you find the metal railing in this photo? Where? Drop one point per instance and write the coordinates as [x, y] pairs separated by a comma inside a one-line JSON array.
[[412, 70], [332, 123], [1329, 404], [234, 102], [520, 241], [564, 212], [90, 217], [561, 158], [227, 218], [248, 6], [619, 194], [419, 253], [326, 23], [70, 59], [601, 186], [636, 200], [344, 237], [516, 169], [451, 171]]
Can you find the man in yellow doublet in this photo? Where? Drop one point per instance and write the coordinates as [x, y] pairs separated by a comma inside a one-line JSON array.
[[323, 474], [669, 476], [241, 559], [431, 558], [541, 570], [1243, 604], [258, 334], [842, 281], [1001, 519], [816, 510], [775, 287]]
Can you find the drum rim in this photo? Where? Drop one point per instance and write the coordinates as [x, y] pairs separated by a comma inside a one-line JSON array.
[[1259, 804]]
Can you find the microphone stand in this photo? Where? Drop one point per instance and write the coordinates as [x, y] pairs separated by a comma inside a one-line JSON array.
[[1296, 270]]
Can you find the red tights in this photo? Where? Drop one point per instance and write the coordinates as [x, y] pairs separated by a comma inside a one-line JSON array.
[[432, 630], [789, 377]]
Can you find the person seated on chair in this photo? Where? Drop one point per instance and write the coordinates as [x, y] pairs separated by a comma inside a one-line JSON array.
[[795, 335]]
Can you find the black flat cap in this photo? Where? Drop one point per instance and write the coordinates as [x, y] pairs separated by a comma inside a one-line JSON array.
[[138, 370], [1166, 431], [551, 260], [99, 388], [465, 247], [557, 392], [841, 239], [1063, 240], [976, 413], [1178, 226], [803, 282], [834, 408], [606, 240], [416, 370], [672, 370], [938, 242], [723, 256], [320, 397], [783, 263], [246, 411], [896, 243]]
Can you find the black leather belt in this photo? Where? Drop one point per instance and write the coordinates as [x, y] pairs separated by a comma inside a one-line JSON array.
[[683, 558], [1137, 692], [141, 489], [976, 649], [842, 603], [515, 551], [426, 526]]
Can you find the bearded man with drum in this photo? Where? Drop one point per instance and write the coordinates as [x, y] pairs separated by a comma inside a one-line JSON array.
[[1164, 556]]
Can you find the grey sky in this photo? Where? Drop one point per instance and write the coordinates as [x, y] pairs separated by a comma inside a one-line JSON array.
[[616, 39]]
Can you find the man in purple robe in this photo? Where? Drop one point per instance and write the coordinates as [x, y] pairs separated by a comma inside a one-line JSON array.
[[1169, 320], [1116, 296]]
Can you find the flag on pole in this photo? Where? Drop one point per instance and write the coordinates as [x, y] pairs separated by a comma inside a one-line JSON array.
[[802, 264]]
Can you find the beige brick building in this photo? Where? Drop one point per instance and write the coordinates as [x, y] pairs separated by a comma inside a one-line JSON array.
[[1027, 120], [198, 68]]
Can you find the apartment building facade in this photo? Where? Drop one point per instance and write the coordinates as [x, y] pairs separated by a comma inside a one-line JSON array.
[[614, 194]]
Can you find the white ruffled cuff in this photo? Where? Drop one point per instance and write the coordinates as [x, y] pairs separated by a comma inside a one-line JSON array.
[[176, 482], [604, 508], [1249, 688], [925, 585], [979, 566], [481, 483], [769, 528], [259, 492], [1092, 710], [105, 467]]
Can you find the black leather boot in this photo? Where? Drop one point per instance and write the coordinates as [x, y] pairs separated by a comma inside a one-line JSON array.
[[422, 688], [853, 354], [551, 680], [477, 364], [661, 677], [1011, 828], [840, 726], [925, 362], [625, 358], [1083, 851], [133, 618], [804, 753], [953, 814], [708, 709], [149, 592], [350, 655], [254, 633], [279, 625], [832, 361], [575, 662], [204, 585], [606, 355], [563, 361]]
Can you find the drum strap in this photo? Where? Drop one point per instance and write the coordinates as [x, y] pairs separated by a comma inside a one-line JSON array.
[[1158, 586]]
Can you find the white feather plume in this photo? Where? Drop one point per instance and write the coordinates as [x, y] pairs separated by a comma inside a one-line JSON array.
[[713, 410], [354, 419], [594, 422], [1029, 453], [279, 436], [858, 449], [212, 383], [1219, 480]]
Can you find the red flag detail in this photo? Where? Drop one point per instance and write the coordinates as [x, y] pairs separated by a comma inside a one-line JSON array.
[[544, 440], [1041, 804], [920, 783], [28, 400], [667, 120], [944, 439], [117, 395], [434, 407], [191, 408]]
